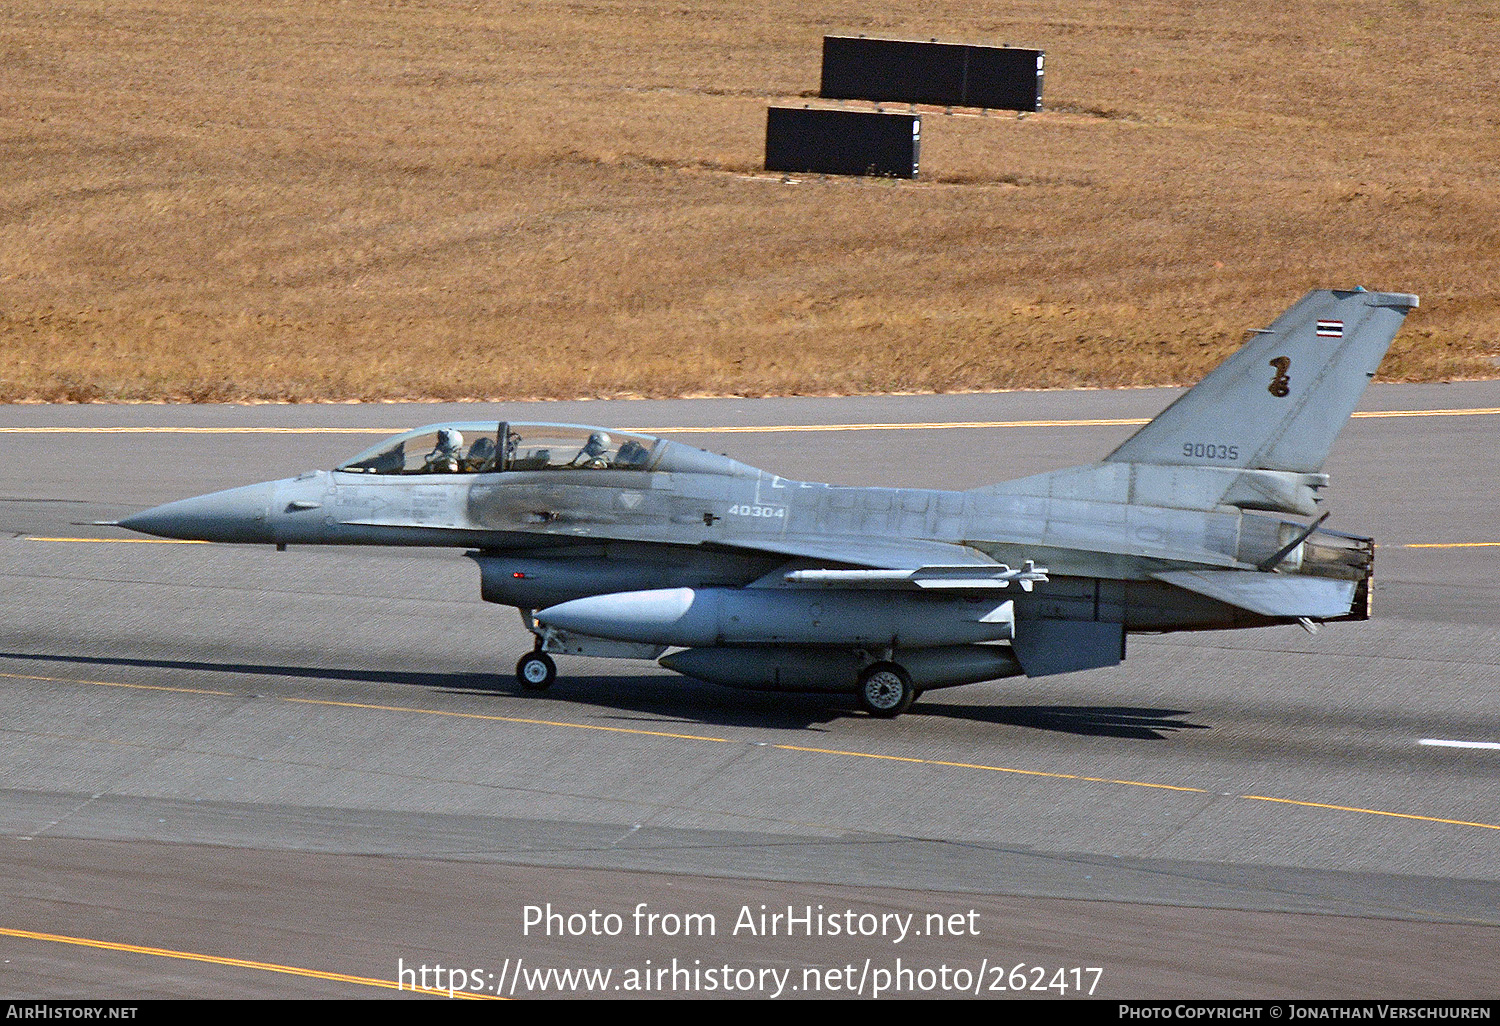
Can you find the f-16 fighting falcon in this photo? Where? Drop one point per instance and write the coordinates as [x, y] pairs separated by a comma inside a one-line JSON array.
[[622, 545]]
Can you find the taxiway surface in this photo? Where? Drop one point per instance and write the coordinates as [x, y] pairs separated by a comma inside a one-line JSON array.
[[317, 760]]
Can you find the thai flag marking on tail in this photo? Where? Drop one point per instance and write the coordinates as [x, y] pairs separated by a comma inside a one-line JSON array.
[[1330, 329]]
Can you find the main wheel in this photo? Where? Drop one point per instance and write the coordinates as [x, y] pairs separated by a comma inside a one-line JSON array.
[[536, 671], [885, 690]]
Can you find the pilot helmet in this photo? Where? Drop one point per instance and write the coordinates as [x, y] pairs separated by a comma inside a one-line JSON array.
[[449, 440], [597, 445]]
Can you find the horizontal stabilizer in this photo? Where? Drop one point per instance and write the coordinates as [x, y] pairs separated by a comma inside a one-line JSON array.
[[1045, 647], [1278, 595]]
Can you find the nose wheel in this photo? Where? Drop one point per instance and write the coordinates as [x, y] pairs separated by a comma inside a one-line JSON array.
[[885, 690], [536, 671]]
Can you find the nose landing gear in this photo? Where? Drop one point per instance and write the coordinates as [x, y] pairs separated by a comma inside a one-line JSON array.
[[536, 671]]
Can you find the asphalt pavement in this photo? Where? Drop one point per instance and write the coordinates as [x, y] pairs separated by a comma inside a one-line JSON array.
[[301, 773]]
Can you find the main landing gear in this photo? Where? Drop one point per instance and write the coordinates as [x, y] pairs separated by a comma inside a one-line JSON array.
[[884, 687], [885, 690]]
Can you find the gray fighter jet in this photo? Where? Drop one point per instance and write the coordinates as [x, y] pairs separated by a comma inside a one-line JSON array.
[[618, 544]]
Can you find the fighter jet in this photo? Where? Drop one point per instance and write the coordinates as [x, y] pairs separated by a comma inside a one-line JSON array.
[[617, 544]]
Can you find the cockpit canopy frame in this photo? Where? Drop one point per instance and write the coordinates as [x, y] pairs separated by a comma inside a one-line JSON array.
[[488, 447]]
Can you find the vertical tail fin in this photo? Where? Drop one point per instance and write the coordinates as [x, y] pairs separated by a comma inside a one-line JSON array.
[[1279, 402]]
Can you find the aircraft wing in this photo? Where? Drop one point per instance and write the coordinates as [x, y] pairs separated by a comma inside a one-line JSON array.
[[1269, 594], [906, 554]]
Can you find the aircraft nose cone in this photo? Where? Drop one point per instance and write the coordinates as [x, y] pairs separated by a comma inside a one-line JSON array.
[[236, 515]]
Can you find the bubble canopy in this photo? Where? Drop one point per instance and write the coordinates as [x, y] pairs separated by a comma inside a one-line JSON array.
[[485, 447]]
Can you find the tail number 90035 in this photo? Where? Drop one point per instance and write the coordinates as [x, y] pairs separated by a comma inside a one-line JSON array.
[[1210, 451]]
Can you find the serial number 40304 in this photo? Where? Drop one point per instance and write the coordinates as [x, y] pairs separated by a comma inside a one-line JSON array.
[[1210, 451], [757, 511]]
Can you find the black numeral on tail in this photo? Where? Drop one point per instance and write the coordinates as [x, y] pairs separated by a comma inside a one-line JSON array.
[[1281, 384]]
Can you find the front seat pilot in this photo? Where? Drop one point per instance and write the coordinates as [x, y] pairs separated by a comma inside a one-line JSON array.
[[445, 456]]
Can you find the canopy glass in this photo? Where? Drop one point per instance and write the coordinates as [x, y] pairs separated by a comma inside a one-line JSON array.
[[477, 447]]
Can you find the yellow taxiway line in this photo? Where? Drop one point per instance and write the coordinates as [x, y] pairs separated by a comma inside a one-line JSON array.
[[1448, 545], [841, 753], [723, 429], [240, 963], [992, 424], [1368, 812]]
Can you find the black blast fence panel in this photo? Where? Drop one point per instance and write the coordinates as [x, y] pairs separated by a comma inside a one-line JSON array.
[[842, 142], [1003, 78], [946, 74]]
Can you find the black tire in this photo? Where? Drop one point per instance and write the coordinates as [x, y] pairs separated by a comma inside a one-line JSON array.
[[885, 690], [536, 671]]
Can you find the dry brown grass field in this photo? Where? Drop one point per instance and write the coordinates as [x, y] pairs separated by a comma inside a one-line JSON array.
[[377, 199]]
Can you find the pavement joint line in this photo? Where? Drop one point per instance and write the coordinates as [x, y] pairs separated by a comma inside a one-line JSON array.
[[992, 769], [508, 719], [241, 963], [718, 429], [790, 748], [120, 684]]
